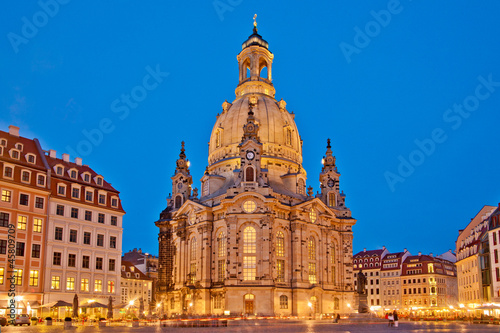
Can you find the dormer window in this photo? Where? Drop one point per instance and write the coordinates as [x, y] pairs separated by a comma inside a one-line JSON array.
[[14, 154], [98, 181], [59, 170], [73, 174], [1, 150], [86, 177], [30, 158], [3, 143], [114, 202], [131, 269], [137, 275], [128, 274], [19, 146], [123, 268]]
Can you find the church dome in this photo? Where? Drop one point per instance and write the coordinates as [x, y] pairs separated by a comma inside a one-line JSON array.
[[278, 132]]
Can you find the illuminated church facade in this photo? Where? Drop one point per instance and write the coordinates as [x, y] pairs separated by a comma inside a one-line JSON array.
[[255, 240]]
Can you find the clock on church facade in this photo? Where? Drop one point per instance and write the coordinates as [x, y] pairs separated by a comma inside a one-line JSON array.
[[254, 240]]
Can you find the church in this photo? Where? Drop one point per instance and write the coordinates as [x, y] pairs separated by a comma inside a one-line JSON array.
[[256, 240]]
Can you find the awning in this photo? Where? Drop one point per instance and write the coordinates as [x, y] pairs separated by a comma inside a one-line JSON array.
[[56, 304], [93, 305], [34, 304]]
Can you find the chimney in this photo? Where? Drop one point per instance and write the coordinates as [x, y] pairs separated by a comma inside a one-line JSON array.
[[134, 250], [364, 250], [65, 157], [419, 253], [52, 153], [14, 130], [78, 161], [383, 247], [140, 251], [405, 250], [431, 255]]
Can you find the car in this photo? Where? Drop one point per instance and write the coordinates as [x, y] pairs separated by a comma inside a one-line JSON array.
[[3, 321], [22, 319]]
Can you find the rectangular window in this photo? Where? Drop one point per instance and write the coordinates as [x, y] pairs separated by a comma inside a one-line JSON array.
[[71, 260], [70, 283], [25, 177], [100, 240], [497, 270], [221, 270], [89, 196], [114, 220], [86, 238], [41, 180], [98, 263], [496, 256], [24, 199], [55, 283], [7, 172], [100, 218], [21, 222], [6, 195], [114, 202], [61, 190], [494, 238], [75, 193], [4, 219], [73, 236], [112, 242], [18, 276], [84, 285], [56, 260], [39, 202], [86, 262], [88, 215], [280, 270], [60, 210], [37, 225], [3, 246], [58, 234], [74, 213], [111, 265], [249, 268], [98, 285], [102, 199], [2, 275], [192, 273], [111, 287], [34, 278], [35, 251], [19, 249], [312, 273]]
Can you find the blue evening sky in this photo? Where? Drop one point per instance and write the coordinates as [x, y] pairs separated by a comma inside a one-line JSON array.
[[380, 78]]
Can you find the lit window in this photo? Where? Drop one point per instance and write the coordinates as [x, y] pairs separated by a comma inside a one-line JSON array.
[[301, 187], [221, 270], [18, 276], [193, 248], [6, 195], [192, 273], [280, 270], [221, 244], [280, 244], [21, 222], [111, 287], [312, 273], [249, 206], [249, 268], [37, 225], [84, 286], [331, 199], [70, 283], [312, 215], [2, 275], [249, 240], [283, 302], [98, 285], [312, 249]]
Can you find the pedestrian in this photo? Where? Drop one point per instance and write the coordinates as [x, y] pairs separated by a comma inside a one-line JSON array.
[[337, 319], [395, 315], [391, 319]]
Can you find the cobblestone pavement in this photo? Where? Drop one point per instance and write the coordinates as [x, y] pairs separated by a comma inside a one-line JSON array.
[[275, 327]]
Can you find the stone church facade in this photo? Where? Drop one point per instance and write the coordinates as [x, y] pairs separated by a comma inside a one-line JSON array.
[[255, 240]]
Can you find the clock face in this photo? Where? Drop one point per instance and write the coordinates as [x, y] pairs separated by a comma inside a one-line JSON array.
[[250, 128], [329, 159], [250, 155], [331, 182], [180, 163], [179, 186]]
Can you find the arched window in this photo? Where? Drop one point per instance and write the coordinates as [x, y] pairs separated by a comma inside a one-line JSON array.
[[249, 174], [192, 267], [283, 302], [249, 251], [289, 136], [178, 201], [332, 261], [331, 199], [193, 248], [221, 244], [249, 299], [218, 138], [280, 244], [312, 248]]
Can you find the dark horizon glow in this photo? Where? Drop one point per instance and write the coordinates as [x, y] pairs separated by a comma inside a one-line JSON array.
[[408, 91]]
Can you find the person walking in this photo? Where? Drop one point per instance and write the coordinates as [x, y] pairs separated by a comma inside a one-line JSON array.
[[395, 315], [391, 320]]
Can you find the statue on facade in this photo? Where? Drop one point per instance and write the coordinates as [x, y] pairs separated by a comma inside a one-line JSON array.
[[361, 282]]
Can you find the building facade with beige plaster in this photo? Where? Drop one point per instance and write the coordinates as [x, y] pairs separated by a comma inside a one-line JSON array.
[[255, 240]]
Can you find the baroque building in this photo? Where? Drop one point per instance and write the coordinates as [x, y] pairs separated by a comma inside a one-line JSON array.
[[255, 241]]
